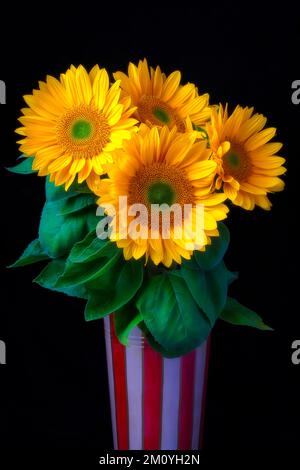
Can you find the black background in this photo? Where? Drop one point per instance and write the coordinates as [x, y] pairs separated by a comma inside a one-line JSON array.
[[54, 387]]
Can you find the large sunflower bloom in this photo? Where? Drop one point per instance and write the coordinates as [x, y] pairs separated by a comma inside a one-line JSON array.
[[162, 100], [162, 166], [248, 167], [73, 124]]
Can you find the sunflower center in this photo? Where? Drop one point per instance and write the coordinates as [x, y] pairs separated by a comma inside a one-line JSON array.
[[154, 111], [161, 193], [160, 184], [161, 115], [233, 160], [83, 132], [236, 163], [81, 129]]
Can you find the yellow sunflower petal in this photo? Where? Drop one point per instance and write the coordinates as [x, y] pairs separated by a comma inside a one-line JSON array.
[[100, 88], [115, 115], [201, 169], [260, 139], [263, 202], [170, 86], [59, 163], [230, 191], [77, 165], [85, 170]]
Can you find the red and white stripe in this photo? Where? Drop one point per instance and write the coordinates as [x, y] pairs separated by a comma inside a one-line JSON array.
[[156, 403]]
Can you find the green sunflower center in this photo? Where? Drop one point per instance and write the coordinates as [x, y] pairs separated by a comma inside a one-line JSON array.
[[237, 163], [161, 193], [156, 111], [81, 129], [233, 160], [161, 115]]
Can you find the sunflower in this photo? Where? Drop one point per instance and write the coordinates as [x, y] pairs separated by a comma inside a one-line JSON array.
[[73, 124], [247, 164], [161, 166], [161, 100]]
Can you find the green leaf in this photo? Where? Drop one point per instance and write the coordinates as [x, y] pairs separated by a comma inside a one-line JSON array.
[[66, 218], [91, 218], [171, 314], [79, 273], [154, 344], [115, 289], [49, 276], [232, 276], [55, 193], [208, 288], [237, 314], [23, 168], [33, 254], [91, 248], [77, 203], [58, 233], [68, 202], [215, 252], [125, 320], [81, 188]]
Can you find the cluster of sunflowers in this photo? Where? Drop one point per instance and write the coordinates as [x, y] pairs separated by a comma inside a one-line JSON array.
[[155, 141]]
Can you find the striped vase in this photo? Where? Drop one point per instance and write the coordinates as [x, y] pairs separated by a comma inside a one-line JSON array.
[[156, 403]]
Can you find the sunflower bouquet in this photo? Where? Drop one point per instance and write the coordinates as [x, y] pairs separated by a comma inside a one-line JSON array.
[[140, 173]]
